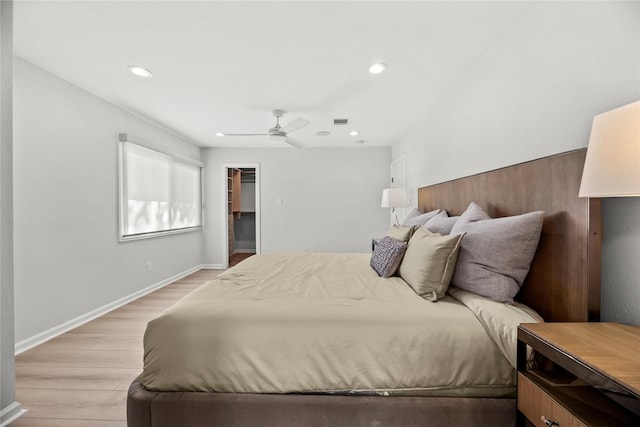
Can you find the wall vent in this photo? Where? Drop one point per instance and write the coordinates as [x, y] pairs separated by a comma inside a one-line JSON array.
[[340, 121]]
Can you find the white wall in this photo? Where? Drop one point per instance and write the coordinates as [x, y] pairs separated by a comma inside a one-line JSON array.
[[68, 260], [330, 198], [534, 94]]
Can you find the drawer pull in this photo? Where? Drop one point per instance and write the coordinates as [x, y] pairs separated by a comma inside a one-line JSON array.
[[549, 422]]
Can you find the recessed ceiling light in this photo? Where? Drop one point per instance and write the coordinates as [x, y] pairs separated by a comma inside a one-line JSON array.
[[354, 133], [378, 68], [140, 72], [323, 133], [219, 134]]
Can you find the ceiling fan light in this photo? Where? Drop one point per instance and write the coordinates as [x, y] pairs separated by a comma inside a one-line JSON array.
[[277, 137]]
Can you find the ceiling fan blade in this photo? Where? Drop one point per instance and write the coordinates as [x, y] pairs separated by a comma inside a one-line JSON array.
[[295, 125], [294, 142], [245, 134]]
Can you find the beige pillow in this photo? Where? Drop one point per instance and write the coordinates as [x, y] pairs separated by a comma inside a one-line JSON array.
[[429, 263], [401, 233]]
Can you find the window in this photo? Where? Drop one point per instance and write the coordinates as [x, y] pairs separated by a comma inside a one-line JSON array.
[[159, 194]]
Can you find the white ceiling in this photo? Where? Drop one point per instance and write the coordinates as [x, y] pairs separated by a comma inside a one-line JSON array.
[[223, 66]]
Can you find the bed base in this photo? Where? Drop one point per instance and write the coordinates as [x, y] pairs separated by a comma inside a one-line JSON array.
[[153, 409]]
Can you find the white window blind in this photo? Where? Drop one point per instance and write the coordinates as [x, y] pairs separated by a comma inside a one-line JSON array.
[[159, 194]]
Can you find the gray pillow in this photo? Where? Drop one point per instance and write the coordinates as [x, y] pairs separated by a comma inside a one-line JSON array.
[[441, 223], [387, 256], [412, 214], [495, 254], [412, 220], [401, 233], [429, 262]]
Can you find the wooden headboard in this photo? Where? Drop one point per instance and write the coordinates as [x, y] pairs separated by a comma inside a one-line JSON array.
[[563, 283]]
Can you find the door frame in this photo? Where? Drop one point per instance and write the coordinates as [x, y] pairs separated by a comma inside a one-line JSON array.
[[225, 220], [399, 165]]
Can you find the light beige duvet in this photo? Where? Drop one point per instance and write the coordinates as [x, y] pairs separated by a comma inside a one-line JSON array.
[[282, 323]]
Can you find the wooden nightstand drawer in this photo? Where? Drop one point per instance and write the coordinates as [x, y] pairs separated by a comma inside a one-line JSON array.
[[585, 374], [570, 404], [535, 404]]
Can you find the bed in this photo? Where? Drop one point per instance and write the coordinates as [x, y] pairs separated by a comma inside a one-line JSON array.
[[562, 285]]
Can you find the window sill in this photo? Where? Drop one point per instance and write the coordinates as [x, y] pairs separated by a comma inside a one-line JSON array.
[[158, 234]]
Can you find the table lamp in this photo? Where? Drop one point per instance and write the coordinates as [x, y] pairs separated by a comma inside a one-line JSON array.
[[394, 198], [612, 165]]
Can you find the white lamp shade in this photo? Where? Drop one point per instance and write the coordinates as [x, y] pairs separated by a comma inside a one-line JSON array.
[[612, 165], [394, 198]]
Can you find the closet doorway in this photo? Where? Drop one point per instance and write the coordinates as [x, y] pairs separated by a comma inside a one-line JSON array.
[[242, 211]]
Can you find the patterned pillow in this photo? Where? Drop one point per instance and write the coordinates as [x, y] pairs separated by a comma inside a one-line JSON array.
[[387, 256]]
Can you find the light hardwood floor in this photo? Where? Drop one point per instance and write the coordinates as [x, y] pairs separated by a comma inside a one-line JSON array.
[[81, 377]]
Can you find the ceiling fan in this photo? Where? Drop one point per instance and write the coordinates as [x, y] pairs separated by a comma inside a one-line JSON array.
[[279, 133]]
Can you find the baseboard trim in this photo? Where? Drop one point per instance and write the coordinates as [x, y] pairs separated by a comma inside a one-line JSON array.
[[51, 333], [244, 251], [11, 413], [213, 266]]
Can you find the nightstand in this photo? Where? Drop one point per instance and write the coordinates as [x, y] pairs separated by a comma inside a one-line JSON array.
[[584, 374]]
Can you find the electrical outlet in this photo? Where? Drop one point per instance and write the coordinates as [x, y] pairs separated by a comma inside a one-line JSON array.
[[306, 249], [149, 266]]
